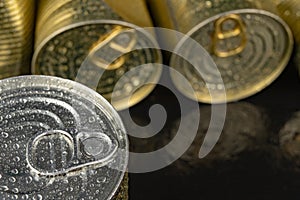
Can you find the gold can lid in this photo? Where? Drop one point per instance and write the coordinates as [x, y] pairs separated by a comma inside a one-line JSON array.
[[92, 43], [99, 53], [250, 47]]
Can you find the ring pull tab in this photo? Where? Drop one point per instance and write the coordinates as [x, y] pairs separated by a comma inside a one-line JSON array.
[[55, 153], [109, 52], [239, 30], [95, 147]]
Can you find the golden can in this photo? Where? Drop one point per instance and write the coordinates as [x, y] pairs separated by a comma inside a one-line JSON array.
[[247, 40], [16, 35], [290, 11], [86, 40]]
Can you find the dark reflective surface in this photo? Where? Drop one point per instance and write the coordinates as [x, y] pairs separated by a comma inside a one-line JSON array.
[[257, 169]]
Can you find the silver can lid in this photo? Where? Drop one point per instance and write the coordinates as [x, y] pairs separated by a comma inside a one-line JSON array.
[[58, 140]]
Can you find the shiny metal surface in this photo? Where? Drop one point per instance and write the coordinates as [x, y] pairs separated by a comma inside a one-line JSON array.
[[290, 11], [16, 36], [69, 33], [244, 73], [59, 140], [250, 44]]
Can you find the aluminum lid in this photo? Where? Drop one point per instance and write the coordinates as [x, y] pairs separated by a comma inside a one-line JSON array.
[[58, 140]]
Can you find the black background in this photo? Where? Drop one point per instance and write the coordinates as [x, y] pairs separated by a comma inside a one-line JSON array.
[[252, 177]]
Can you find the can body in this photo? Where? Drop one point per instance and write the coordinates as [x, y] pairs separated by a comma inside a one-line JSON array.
[[242, 37], [97, 43], [290, 11], [16, 36], [59, 140]]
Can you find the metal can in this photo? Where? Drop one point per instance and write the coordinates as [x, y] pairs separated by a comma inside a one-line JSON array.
[[86, 40], [16, 36], [249, 44], [290, 11], [59, 140]]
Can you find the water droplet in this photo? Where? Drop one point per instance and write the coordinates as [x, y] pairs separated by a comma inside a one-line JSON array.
[[38, 197], [3, 188], [15, 171], [70, 189], [28, 179], [92, 119], [15, 190], [65, 181], [101, 180], [208, 4], [287, 13], [12, 179], [16, 146], [76, 162], [4, 134], [16, 159]]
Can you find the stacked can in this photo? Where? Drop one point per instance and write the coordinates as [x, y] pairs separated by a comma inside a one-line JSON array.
[[247, 40], [59, 140], [290, 12], [91, 40], [16, 31], [289, 138]]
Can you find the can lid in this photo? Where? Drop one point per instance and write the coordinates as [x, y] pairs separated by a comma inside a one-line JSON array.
[[58, 139], [250, 47], [114, 57]]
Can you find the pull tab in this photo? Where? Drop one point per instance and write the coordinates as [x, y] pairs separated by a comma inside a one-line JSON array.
[[54, 153], [95, 146], [109, 52], [220, 34]]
